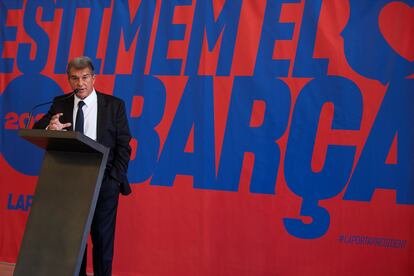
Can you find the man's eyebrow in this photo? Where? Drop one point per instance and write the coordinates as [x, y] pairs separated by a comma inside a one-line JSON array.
[[81, 75]]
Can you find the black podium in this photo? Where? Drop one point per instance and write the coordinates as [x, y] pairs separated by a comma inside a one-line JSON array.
[[64, 202]]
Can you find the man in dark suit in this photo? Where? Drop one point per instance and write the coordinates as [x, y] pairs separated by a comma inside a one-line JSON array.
[[103, 118]]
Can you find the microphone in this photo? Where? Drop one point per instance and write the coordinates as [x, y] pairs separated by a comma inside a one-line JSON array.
[[49, 102]]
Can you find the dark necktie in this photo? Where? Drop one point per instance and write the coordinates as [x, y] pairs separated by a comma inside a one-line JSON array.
[[79, 118]]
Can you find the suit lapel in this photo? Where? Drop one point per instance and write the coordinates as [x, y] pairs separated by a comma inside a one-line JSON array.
[[68, 112], [101, 120]]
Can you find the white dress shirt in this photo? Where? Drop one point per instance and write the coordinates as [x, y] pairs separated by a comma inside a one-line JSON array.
[[90, 114]]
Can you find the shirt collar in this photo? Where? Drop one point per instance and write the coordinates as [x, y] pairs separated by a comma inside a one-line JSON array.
[[88, 100]]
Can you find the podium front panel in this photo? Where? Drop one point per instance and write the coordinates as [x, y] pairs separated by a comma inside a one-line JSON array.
[[59, 221]]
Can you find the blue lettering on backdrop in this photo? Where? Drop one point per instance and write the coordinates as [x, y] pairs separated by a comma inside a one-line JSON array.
[[24, 62], [166, 32], [121, 22], [23, 202], [14, 113], [65, 41], [272, 31], [395, 118], [305, 64], [314, 186], [152, 90], [196, 110], [240, 137], [361, 33], [69, 8], [94, 31], [7, 33], [225, 26]]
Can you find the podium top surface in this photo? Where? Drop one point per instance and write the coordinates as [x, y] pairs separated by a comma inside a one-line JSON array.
[[62, 140]]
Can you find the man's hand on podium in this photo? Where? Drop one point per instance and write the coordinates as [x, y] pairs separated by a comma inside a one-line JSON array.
[[55, 124]]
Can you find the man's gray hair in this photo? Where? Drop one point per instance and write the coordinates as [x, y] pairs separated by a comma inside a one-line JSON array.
[[80, 63]]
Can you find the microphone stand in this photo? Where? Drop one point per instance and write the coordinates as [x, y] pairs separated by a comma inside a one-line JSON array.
[[49, 102]]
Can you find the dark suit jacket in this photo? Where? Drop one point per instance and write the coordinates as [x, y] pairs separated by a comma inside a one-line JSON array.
[[112, 132]]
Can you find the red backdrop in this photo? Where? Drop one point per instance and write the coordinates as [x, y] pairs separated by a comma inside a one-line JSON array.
[[269, 137]]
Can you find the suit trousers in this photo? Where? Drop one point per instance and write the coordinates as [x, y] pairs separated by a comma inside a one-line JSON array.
[[103, 229]]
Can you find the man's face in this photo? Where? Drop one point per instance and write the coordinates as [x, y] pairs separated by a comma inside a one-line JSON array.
[[83, 80]]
